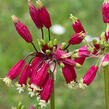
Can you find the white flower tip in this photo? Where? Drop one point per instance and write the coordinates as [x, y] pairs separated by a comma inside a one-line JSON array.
[[15, 19], [35, 88], [82, 85], [8, 81], [20, 88], [73, 85], [42, 103]]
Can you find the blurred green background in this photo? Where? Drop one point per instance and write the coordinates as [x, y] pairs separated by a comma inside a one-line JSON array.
[[13, 48]]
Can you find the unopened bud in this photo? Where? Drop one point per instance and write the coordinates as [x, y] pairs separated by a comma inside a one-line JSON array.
[[48, 52], [42, 42], [55, 41], [94, 41], [54, 48], [63, 45], [50, 44], [78, 65], [101, 43], [62, 65]]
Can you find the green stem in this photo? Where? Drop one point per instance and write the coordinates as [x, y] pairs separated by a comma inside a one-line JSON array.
[[106, 80], [52, 100]]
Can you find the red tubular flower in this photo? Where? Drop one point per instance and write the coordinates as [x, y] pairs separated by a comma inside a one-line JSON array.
[[40, 77], [90, 75], [35, 62], [69, 73], [24, 75], [16, 69], [83, 52], [43, 15], [105, 12], [76, 38], [22, 29], [34, 13], [80, 60], [23, 78], [45, 94], [14, 72], [77, 26]]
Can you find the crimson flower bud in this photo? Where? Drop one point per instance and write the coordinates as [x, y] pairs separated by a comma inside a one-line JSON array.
[[44, 15], [14, 72], [89, 76], [22, 29], [46, 93], [69, 73], [34, 13], [77, 26], [76, 38], [40, 77], [105, 12]]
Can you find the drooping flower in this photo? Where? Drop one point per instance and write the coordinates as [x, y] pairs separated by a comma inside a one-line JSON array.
[[105, 12], [76, 38], [23, 78], [69, 73], [89, 76], [34, 13], [14, 71], [22, 29], [39, 79], [77, 26], [45, 94], [43, 15]]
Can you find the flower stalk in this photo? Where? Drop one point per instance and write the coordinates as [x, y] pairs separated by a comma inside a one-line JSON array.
[[52, 100], [106, 82]]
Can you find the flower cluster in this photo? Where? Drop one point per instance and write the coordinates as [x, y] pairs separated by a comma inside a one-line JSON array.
[[39, 74]]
